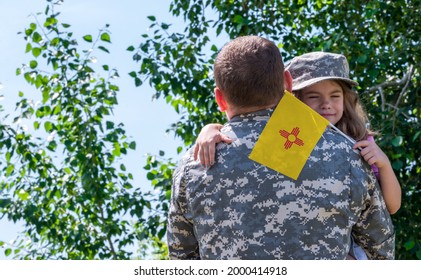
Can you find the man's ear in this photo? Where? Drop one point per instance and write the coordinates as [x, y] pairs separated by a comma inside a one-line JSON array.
[[220, 100], [287, 81]]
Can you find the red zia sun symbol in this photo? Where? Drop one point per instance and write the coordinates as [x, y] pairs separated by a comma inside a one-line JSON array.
[[291, 137]]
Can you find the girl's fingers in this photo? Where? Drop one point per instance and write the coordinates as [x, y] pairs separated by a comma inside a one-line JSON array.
[[205, 150], [370, 159], [211, 155], [361, 144], [196, 151], [225, 139], [205, 157]]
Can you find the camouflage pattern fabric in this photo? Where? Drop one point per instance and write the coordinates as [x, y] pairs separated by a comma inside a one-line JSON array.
[[313, 67], [239, 209]]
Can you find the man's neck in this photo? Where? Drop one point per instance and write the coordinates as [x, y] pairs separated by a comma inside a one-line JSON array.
[[241, 111]]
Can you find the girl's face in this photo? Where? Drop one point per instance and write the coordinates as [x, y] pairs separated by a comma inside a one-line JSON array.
[[326, 98]]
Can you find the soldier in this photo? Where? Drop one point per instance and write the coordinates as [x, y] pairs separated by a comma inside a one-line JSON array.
[[239, 209]]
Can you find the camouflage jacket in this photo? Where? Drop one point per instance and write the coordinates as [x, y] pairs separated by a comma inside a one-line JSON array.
[[239, 209]]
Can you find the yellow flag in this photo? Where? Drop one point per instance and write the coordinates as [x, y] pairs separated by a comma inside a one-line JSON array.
[[289, 137]]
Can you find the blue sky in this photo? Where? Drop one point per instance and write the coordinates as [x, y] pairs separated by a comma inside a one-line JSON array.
[[145, 121]]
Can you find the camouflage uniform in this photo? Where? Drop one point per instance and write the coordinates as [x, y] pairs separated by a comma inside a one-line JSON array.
[[239, 209]]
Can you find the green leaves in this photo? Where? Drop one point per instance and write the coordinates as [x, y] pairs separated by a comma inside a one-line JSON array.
[[9, 170], [87, 38], [7, 252], [33, 64], [106, 37], [23, 195], [48, 126], [67, 184], [397, 141], [103, 36], [50, 21]]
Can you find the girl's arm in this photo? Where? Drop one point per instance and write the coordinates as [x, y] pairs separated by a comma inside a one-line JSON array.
[[389, 184], [204, 149]]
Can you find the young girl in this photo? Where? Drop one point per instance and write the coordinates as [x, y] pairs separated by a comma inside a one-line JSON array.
[[321, 80]]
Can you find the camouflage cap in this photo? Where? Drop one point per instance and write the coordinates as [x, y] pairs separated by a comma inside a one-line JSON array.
[[310, 68]]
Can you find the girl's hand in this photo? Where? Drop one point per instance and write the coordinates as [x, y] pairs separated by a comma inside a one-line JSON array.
[[372, 153], [204, 149], [389, 184]]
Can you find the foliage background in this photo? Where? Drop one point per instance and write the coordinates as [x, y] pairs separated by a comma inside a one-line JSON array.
[[95, 218]]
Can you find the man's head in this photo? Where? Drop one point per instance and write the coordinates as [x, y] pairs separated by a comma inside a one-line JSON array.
[[249, 75]]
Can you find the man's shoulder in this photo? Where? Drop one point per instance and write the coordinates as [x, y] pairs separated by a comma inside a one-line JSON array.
[[334, 140], [186, 161], [334, 149]]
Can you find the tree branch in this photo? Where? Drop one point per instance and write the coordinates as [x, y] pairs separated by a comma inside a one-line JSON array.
[[394, 83]]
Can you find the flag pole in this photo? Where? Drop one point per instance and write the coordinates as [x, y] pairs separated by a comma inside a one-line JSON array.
[[343, 134]]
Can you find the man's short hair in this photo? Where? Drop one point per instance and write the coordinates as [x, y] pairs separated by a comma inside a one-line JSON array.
[[249, 71]]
